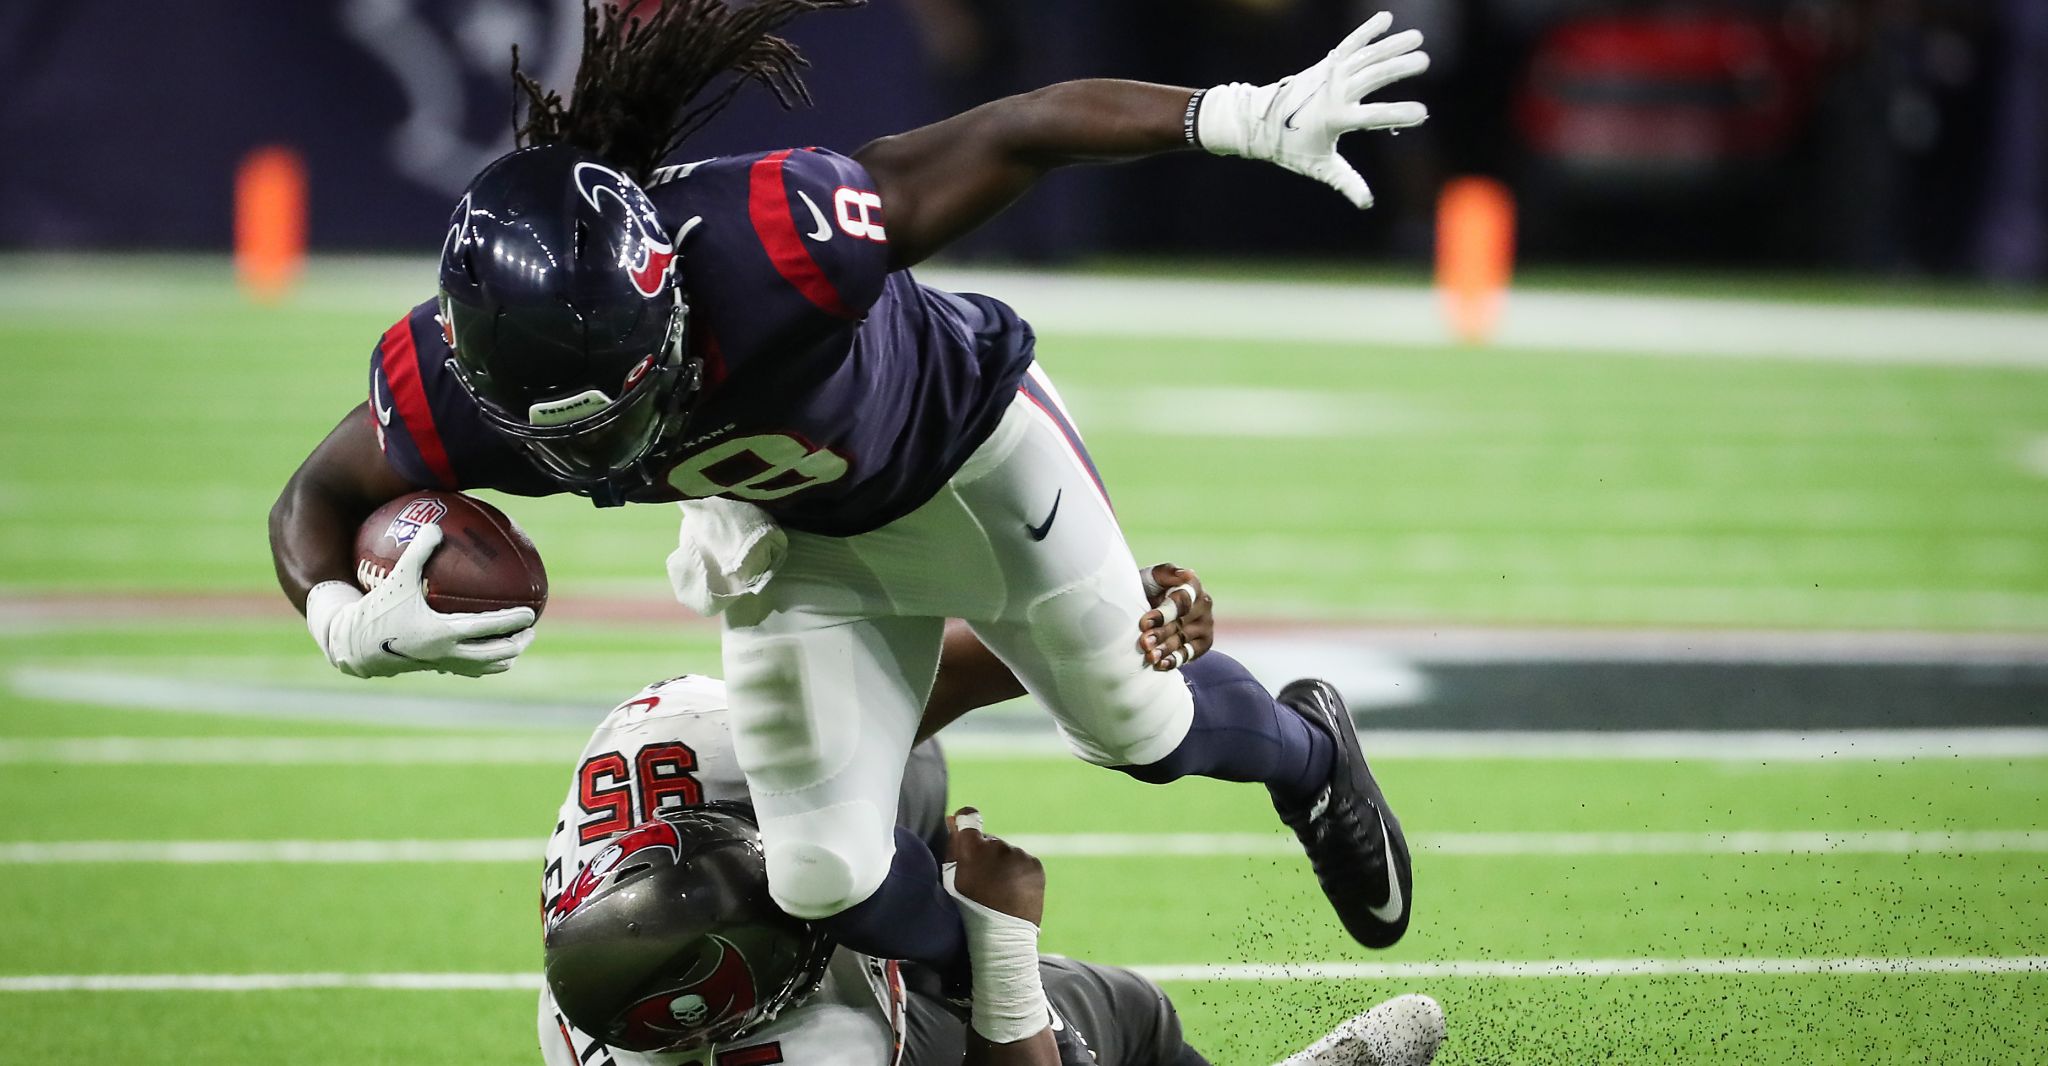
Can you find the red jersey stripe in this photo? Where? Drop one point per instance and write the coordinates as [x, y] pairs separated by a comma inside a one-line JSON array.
[[401, 361], [768, 204]]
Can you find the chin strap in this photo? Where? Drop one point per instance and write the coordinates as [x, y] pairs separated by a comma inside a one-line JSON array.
[[609, 494], [612, 493]]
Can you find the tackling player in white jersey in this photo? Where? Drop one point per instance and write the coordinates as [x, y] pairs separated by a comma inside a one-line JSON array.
[[663, 943]]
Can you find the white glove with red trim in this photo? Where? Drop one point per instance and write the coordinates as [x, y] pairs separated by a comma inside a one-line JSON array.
[[391, 630], [1295, 122]]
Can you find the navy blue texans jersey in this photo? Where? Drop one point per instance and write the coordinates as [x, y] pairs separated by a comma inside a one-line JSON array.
[[838, 395]]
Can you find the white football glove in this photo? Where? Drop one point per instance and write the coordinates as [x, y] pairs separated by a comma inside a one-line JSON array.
[[1295, 122], [391, 630]]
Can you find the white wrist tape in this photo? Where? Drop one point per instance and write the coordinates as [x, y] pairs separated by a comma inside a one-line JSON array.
[[1224, 119], [326, 600], [1002, 952]]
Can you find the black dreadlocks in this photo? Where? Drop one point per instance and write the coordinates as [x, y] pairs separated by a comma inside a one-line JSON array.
[[637, 86]]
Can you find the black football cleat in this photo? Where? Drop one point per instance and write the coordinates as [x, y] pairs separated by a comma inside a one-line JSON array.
[[1352, 839]]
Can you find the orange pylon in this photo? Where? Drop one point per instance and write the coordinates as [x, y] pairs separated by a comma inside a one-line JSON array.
[[1475, 254], [270, 221]]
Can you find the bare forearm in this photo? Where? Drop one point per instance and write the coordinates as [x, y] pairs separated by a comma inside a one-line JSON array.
[[1099, 120], [941, 181], [1039, 1050], [313, 522], [305, 543], [970, 676]]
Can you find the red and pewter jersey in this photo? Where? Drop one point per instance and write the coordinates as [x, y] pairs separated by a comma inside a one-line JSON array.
[[838, 395], [670, 745]]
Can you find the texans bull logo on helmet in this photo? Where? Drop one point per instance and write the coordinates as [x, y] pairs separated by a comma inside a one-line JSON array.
[[654, 836], [725, 993], [649, 268]]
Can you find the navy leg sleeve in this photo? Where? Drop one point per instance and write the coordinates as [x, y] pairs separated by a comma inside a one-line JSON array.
[[1241, 733], [909, 917]]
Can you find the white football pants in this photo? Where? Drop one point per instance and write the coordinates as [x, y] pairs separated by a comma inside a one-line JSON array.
[[828, 666]]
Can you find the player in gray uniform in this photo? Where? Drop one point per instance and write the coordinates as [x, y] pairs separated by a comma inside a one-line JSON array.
[[676, 733], [661, 939]]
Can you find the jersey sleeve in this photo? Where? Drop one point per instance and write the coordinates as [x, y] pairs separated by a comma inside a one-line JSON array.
[[821, 221], [429, 428]]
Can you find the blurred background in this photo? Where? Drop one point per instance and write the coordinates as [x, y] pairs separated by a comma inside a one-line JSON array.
[[1896, 137]]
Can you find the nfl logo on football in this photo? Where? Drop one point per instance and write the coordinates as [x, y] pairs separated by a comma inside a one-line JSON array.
[[421, 512]]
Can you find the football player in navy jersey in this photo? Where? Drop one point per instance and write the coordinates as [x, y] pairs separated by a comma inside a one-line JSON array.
[[860, 457]]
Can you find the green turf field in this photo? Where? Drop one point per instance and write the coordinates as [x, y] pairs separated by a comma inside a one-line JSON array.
[[157, 415], [1417, 483]]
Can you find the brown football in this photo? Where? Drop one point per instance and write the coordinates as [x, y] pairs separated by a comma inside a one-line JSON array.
[[485, 561]]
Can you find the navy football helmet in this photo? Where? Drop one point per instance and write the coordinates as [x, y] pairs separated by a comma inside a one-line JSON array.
[[667, 939], [559, 297]]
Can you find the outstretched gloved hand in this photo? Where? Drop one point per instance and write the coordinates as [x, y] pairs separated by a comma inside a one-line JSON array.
[[1295, 122]]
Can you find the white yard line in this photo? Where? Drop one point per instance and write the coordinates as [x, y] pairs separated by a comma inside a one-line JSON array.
[[1656, 745], [1068, 845], [1207, 308], [1620, 323], [213, 852], [246, 700], [1694, 967], [272, 982], [1305, 971], [294, 751], [987, 745]]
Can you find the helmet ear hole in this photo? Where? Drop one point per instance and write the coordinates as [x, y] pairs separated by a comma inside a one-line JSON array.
[[469, 267]]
